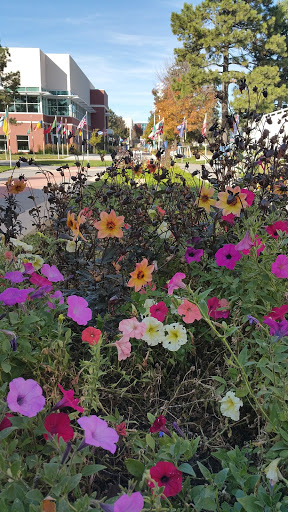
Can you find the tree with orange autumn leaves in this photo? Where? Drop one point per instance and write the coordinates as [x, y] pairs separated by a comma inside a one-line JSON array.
[[169, 104]]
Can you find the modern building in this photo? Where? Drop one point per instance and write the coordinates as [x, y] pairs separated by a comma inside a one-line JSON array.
[[52, 86]]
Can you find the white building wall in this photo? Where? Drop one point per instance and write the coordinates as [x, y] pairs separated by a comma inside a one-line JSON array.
[[28, 62], [80, 84]]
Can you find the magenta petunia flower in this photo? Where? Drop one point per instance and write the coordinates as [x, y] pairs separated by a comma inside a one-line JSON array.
[[97, 433], [68, 400], [58, 424], [12, 296], [15, 277], [280, 266], [25, 397], [229, 218], [278, 329], [250, 196], [131, 328], [273, 229], [56, 295], [39, 280], [29, 268], [192, 254], [78, 310], [159, 311], [126, 503], [227, 256], [40, 292], [278, 313], [52, 273], [176, 282], [214, 306]]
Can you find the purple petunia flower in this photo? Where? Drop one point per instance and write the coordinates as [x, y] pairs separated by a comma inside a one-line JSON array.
[[78, 310], [227, 256], [40, 292], [279, 329], [97, 433], [52, 273], [15, 277], [280, 266], [56, 295], [25, 397], [193, 254], [12, 296], [126, 503], [252, 320]]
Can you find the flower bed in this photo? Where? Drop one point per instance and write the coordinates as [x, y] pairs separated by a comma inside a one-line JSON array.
[[144, 344]]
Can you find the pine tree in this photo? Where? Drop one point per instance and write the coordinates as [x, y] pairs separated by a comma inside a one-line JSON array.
[[219, 40], [10, 81]]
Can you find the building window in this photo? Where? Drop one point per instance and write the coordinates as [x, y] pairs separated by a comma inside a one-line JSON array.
[[3, 143], [26, 104], [56, 107], [22, 143]]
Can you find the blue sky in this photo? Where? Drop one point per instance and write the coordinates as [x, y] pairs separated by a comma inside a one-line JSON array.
[[120, 45]]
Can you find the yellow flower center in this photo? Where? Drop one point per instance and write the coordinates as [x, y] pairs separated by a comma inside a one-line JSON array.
[[140, 275], [110, 225]]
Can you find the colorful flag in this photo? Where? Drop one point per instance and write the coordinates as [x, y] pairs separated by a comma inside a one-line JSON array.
[[80, 132], [6, 129], [65, 129], [204, 127], [157, 130], [59, 127], [48, 130], [82, 123], [28, 131], [54, 124], [181, 128], [237, 119]]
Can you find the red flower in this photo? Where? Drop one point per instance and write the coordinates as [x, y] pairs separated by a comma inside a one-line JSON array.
[[68, 400], [159, 311], [5, 423], [277, 226], [213, 307], [166, 475], [121, 429], [39, 280], [91, 335], [278, 313], [58, 424], [158, 424]]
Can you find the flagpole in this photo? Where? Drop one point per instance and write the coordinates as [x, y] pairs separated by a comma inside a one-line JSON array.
[[87, 133]]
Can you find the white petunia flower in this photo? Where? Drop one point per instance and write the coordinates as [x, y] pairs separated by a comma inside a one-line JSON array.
[[147, 305], [272, 472], [71, 246], [175, 337], [35, 259], [19, 243], [163, 231], [230, 405], [154, 333]]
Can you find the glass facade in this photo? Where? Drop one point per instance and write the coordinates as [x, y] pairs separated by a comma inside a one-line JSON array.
[[26, 104], [55, 107], [3, 142]]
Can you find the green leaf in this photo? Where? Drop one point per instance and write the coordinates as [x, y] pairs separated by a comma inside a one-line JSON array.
[[205, 472], [72, 482], [6, 367], [6, 432], [150, 417], [150, 441], [243, 356], [35, 496], [221, 477], [17, 506], [92, 469], [250, 504], [187, 468], [135, 467]]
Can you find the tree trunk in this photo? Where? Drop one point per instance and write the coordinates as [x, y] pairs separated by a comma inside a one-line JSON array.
[[225, 86]]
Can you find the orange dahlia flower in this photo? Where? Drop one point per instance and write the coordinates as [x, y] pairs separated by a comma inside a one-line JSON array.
[[74, 224], [204, 200], [280, 188], [15, 186], [232, 201], [109, 225], [142, 275]]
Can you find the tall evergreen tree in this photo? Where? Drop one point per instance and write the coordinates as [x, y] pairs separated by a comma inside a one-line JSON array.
[[219, 40], [9, 81]]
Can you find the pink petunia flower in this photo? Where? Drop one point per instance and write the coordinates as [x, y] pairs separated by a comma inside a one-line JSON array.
[[56, 295], [245, 244], [131, 328], [39, 280], [229, 218], [166, 475], [273, 229], [68, 400], [192, 254], [126, 503], [214, 306], [25, 397], [52, 273], [15, 277], [78, 310], [189, 311], [250, 196], [29, 268], [159, 311], [58, 424], [227, 256], [124, 348], [176, 282], [12, 296], [97, 433], [280, 266]]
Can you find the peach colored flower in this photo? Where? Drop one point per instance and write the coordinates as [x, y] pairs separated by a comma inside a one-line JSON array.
[[142, 275], [109, 225], [189, 311], [124, 348], [231, 201]]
